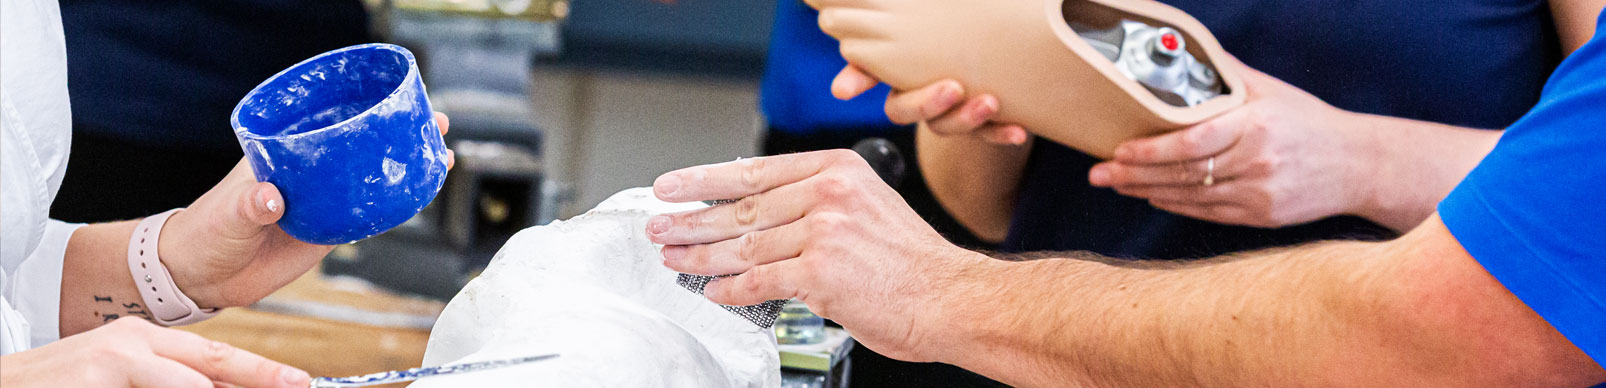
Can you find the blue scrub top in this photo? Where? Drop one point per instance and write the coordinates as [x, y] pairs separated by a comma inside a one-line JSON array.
[[1531, 213], [1476, 63], [795, 94]]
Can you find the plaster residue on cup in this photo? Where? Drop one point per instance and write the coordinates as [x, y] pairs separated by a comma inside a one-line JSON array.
[[315, 72], [340, 65], [404, 101], [252, 145], [296, 90], [394, 171], [333, 114], [309, 148]]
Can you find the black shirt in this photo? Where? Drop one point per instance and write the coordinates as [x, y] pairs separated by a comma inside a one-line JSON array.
[[169, 72]]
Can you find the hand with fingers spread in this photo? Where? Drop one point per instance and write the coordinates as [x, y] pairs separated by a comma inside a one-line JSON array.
[[1284, 158], [134, 353], [820, 227]]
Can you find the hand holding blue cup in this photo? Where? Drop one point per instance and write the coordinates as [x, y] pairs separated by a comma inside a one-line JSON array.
[[349, 139]]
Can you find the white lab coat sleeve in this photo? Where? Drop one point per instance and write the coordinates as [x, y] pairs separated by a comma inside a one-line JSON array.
[[33, 294], [13, 329]]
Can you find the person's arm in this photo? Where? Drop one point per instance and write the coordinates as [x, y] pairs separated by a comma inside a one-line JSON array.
[[1575, 21], [974, 180], [96, 287], [1414, 165], [224, 250], [1275, 165], [820, 227], [1418, 311], [972, 166], [1288, 158], [130, 352]]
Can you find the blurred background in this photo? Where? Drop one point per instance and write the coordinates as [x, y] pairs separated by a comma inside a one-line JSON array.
[[554, 105]]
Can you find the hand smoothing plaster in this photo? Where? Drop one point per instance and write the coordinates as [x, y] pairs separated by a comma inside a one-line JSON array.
[[594, 290]]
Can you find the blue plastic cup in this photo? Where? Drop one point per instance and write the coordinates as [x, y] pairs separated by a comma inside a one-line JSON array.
[[349, 139]]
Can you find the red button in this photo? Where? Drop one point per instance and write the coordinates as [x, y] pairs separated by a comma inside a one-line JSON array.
[[1169, 41]]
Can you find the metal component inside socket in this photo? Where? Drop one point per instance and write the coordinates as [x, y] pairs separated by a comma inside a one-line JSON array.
[[1157, 58]]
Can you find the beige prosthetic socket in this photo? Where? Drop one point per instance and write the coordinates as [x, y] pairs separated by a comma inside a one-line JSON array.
[[1046, 77]]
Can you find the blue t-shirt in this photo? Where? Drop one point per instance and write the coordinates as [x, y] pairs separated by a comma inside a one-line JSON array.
[[1534, 211], [1475, 63], [795, 94]]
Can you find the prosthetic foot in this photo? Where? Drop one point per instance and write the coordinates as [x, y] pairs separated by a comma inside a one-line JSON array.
[[1086, 73]]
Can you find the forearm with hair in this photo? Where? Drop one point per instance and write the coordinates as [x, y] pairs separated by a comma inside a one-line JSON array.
[[1329, 314], [96, 287]]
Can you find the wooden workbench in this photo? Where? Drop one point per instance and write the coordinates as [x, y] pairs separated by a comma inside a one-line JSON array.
[[328, 347]]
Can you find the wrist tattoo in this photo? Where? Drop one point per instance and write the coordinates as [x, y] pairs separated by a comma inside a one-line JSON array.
[[109, 310]]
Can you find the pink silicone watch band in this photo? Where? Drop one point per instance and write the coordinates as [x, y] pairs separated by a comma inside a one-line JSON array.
[[168, 305]]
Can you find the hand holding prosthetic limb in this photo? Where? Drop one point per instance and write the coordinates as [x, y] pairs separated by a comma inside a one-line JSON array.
[[1086, 73]]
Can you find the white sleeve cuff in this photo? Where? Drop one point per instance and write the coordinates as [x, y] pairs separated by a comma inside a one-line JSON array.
[[36, 292]]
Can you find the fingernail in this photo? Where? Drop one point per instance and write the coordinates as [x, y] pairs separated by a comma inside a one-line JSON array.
[[271, 205], [950, 95], [674, 253], [658, 225], [1018, 137], [840, 91], [1099, 176], [711, 290], [985, 110], [864, 84], [292, 377], [667, 185]]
